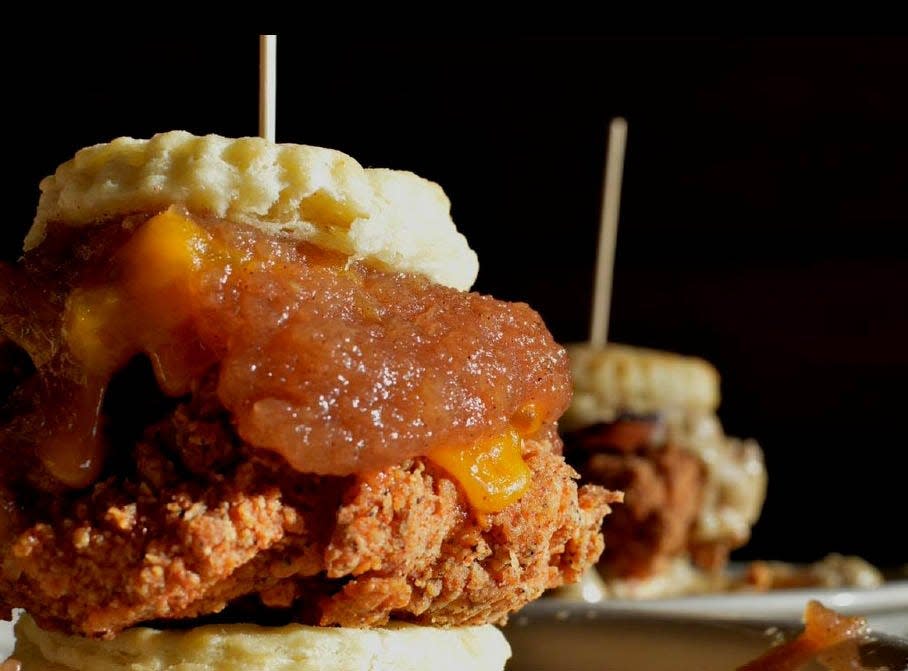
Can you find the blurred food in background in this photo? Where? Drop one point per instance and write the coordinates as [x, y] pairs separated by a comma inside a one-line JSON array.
[[645, 422], [834, 570], [682, 578]]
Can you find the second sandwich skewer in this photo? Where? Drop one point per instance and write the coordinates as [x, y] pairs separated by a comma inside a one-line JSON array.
[[644, 422]]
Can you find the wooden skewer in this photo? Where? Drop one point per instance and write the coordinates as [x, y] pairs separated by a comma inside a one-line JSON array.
[[267, 85], [608, 232]]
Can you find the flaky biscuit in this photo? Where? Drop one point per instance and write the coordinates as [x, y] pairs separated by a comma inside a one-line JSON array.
[[243, 647], [393, 218], [621, 379]]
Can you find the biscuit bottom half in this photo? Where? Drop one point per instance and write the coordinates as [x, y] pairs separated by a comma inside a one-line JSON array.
[[245, 647]]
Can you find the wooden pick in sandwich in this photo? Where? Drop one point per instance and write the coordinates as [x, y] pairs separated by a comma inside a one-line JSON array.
[[267, 85], [608, 231]]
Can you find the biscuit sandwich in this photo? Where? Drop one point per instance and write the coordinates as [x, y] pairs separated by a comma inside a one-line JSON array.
[[645, 422], [263, 424]]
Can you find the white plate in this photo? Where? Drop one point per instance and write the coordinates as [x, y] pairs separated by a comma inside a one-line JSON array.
[[886, 607], [549, 635], [7, 642]]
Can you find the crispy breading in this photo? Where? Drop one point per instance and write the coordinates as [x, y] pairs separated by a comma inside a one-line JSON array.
[[204, 521]]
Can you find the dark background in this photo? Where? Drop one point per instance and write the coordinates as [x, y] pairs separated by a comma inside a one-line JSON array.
[[764, 221]]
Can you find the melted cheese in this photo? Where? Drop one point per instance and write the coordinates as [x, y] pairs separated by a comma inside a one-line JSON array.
[[492, 472], [106, 325]]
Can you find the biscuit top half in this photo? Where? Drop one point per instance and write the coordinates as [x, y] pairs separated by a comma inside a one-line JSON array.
[[393, 219], [618, 380]]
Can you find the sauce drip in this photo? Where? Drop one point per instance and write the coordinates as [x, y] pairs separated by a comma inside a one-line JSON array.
[[339, 367], [63, 423], [72, 449], [827, 635]]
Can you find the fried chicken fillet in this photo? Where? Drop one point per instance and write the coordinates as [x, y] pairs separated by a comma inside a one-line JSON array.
[[245, 382]]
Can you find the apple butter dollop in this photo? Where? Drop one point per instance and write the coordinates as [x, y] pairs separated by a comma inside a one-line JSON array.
[[338, 366]]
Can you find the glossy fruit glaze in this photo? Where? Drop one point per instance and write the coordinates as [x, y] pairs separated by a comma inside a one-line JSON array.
[[336, 365]]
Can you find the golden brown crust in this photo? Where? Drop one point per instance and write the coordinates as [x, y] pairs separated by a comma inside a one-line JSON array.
[[481, 568], [186, 537]]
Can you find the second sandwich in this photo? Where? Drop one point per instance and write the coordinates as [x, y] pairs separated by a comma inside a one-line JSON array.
[[645, 422]]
